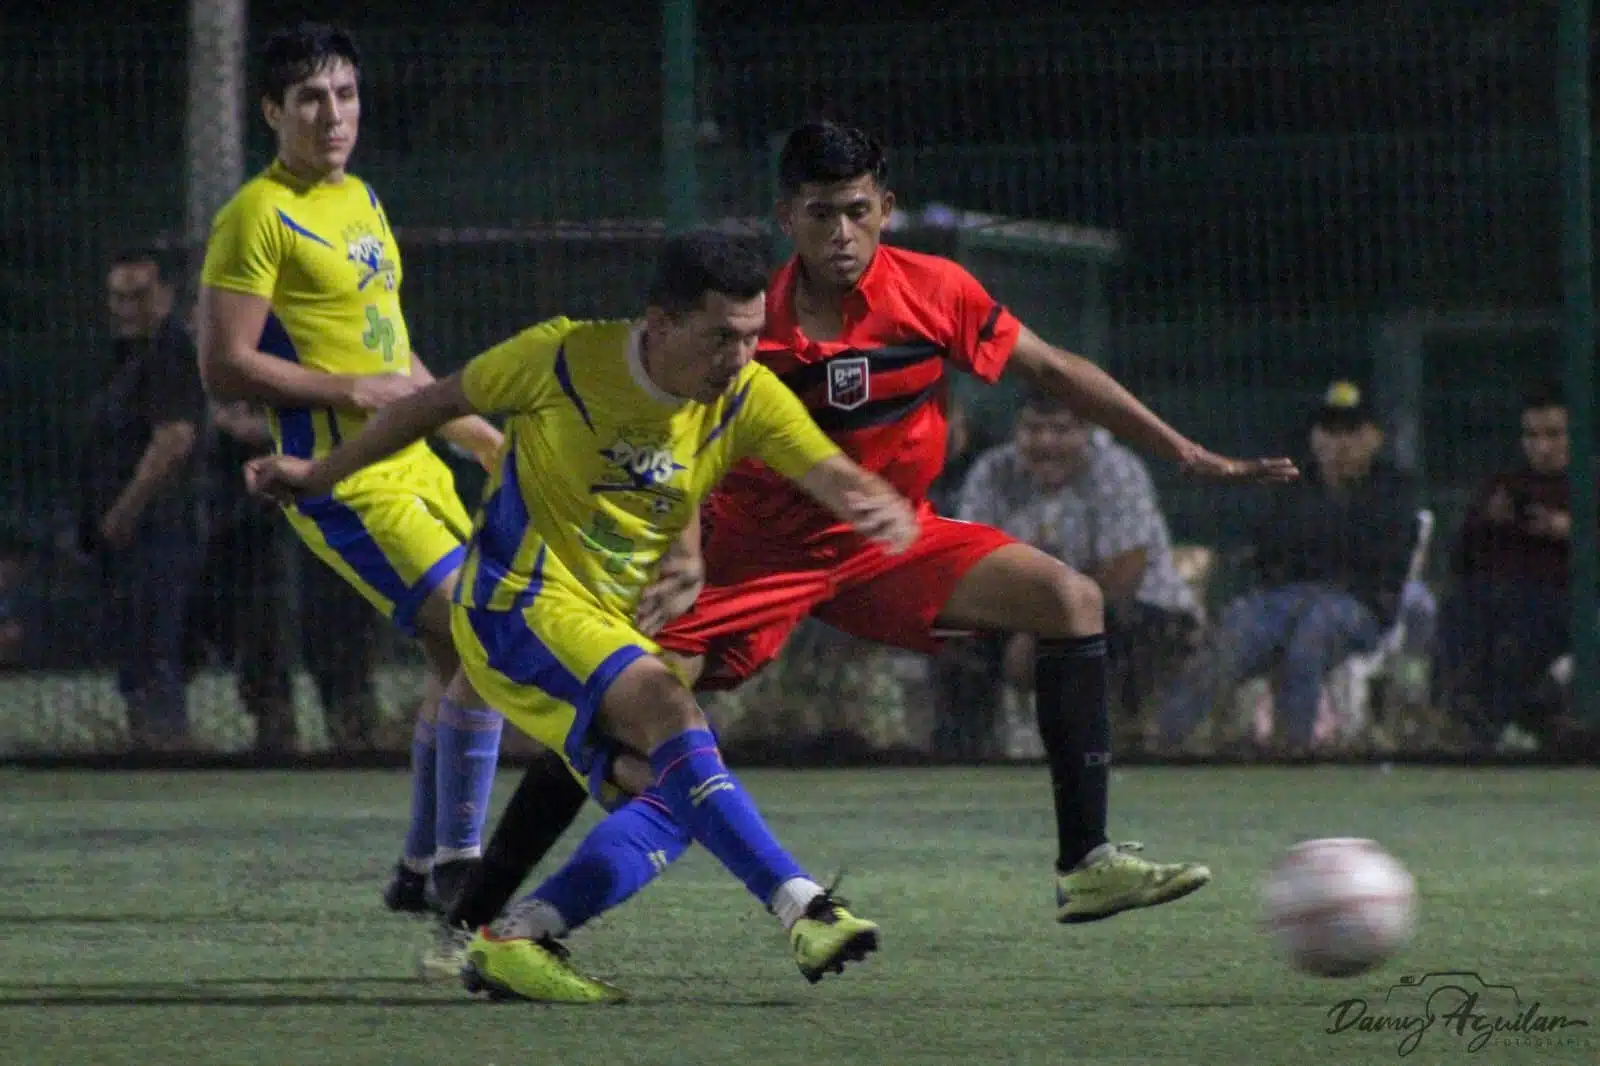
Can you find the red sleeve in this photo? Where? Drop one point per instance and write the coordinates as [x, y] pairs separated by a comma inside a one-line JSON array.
[[983, 331]]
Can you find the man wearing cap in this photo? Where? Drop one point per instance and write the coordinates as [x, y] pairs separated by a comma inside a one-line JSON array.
[[1330, 557]]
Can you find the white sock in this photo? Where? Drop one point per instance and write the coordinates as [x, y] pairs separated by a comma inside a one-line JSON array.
[[416, 865], [444, 855], [792, 898], [530, 919]]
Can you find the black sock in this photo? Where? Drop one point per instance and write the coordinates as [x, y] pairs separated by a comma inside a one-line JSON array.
[[1075, 726], [546, 802]]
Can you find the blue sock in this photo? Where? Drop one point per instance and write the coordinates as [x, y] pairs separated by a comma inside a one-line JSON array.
[[469, 748], [419, 837], [625, 852], [714, 807]]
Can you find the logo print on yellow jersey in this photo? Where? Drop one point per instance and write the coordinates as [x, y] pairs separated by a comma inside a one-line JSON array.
[[644, 465], [365, 250]]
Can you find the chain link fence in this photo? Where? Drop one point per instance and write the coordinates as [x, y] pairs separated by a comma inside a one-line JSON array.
[[1229, 211]]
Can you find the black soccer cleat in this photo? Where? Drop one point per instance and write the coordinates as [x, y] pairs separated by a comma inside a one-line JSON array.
[[446, 881], [407, 891]]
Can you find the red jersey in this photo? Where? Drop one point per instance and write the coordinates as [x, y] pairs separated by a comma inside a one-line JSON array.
[[880, 389]]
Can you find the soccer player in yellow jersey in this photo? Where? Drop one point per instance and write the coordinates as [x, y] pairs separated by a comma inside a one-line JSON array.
[[300, 312], [617, 431]]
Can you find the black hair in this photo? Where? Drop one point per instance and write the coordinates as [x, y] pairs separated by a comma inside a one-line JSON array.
[[166, 261], [699, 261], [295, 53], [826, 153], [1043, 402], [1544, 395]]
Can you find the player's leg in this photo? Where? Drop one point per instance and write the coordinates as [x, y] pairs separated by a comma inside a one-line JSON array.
[[1018, 588], [964, 576]]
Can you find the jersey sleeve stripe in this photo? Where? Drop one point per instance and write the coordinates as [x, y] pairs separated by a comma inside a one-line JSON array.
[[296, 435], [735, 405], [298, 228], [505, 526], [986, 331], [518, 653], [564, 379], [343, 531]]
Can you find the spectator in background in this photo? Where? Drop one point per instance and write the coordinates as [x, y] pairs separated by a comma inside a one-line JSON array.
[[1068, 489], [1508, 617], [1331, 555], [236, 606], [17, 606], [136, 505]]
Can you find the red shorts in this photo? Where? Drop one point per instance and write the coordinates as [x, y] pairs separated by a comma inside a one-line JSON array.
[[757, 592]]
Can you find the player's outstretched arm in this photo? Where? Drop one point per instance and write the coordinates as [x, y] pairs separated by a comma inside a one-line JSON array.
[[1099, 398], [403, 422], [473, 434], [869, 504], [233, 368]]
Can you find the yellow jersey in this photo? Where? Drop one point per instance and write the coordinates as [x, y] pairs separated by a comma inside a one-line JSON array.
[[323, 254], [602, 469]]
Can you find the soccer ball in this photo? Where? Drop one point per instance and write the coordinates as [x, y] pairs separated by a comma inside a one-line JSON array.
[[1340, 907]]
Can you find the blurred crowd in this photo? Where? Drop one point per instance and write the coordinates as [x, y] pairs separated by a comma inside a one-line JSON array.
[[1338, 624]]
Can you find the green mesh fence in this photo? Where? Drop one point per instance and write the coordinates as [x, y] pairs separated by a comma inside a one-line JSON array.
[[1227, 210]]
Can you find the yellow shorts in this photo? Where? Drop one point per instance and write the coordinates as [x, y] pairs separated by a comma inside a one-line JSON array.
[[393, 531], [547, 667]]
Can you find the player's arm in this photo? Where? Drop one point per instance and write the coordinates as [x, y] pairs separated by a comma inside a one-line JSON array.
[[512, 376], [779, 431], [248, 244], [393, 427], [1097, 397], [473, 434]]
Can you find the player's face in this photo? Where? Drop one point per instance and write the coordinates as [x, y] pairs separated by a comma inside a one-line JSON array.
[[317, 120], [835, 228], [1345, 453], [702, 351], [137, 299], [1051, 446], [1544, 439]]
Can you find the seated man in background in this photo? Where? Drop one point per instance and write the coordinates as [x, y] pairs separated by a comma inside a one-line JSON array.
[[1331, 555], [1073, 492], [1509, 616]]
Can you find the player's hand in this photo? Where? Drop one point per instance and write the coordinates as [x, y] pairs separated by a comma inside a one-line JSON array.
[[883, 515], [1547, 522], [673, 592], [1499, 508], [1203, 464], [283, 479], [369, 392]]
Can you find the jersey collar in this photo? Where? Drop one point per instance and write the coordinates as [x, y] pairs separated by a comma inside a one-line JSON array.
[[640, 378]]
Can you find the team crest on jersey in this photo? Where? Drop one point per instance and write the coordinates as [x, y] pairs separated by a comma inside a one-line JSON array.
[[849, 383], [642, 464], [365, 250]]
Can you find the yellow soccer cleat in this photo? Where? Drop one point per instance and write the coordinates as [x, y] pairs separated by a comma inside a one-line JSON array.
[[827, 936], [533, 970], [1114, 878]]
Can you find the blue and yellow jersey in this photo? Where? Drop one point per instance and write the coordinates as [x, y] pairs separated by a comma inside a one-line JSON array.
[[323, 254], [603, 470]]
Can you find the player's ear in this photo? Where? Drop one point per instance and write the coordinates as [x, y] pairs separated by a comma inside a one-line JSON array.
[[888, 204], [272, 111], [785, 212]]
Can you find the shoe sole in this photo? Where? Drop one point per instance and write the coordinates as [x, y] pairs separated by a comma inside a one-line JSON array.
[[1172, 896], [477, 982], [856, 949]]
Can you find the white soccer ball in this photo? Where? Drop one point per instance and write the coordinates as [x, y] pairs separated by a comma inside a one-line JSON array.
[[1341, 906]]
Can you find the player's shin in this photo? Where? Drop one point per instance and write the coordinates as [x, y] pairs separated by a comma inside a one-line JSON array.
[[707, 799], [620, 856], [420, 838], [1075, 727], [546, 802], [469, 750]]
